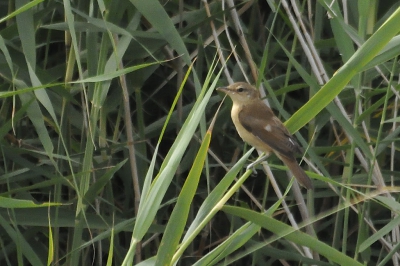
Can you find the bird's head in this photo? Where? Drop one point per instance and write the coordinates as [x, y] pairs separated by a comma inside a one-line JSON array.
[[241, 92]]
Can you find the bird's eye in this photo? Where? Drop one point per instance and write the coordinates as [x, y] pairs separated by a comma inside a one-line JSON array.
[[240, 89]]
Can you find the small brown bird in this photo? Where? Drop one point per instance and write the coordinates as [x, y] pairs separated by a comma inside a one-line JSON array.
[[257, 125]]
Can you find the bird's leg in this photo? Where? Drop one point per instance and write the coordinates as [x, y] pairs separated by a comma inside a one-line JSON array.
[[260, 159]]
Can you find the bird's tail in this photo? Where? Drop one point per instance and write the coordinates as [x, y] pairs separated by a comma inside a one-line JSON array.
[[298, 172]]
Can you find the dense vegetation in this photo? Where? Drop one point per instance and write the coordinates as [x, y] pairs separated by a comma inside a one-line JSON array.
[[110, 157]]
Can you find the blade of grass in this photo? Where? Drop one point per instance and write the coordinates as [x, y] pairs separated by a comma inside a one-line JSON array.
[[151, 201], [284, 231], [179, 215], [353, 66]]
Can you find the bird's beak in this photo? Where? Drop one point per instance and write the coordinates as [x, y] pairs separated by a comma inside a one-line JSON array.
[[223, 89]]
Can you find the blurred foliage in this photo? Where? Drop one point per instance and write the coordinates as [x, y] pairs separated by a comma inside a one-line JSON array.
[[108, 156]]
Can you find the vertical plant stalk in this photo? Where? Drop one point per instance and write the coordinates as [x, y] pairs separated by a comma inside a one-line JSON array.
[[320, 73], [131, 148], [218, 44], [179, 70], [69, 71], [242, 39], [205, 43], [395, 233]]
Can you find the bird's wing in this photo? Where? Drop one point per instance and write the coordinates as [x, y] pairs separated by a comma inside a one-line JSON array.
[[260, 121]]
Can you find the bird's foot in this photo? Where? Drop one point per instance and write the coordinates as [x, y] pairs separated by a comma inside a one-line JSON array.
[[253, 164], [252, 168]]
